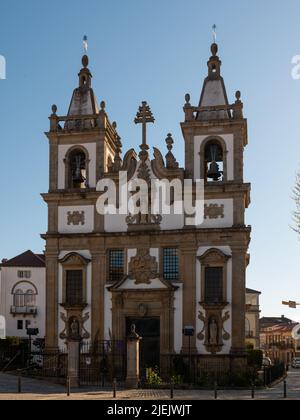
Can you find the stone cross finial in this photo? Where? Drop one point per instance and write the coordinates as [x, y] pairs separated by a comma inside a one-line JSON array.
[[170, 158], [144, 117]]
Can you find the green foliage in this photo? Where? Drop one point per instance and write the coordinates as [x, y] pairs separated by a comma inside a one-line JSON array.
[[179, 367], [10, 342], [249, 346], [153, 378], [177, 379], [255, 358]]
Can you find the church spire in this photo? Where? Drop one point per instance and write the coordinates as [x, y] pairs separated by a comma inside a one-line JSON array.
[[85, 76], [83, 101], [214, 91]]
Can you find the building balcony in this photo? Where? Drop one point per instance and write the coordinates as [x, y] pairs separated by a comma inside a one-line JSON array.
[[24, 310], [280, 346]]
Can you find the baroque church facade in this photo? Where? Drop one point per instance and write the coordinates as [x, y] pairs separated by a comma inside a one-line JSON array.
[[107, 272]]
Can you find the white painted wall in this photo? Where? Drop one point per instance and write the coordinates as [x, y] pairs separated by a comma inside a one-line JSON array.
[[199, 324], [229, 140], [62, 152], [88, 226], [172, 222], [115, 223], [9, 279]]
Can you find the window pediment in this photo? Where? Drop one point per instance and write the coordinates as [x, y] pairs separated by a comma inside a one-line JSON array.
[[214, 257], [74, 260]]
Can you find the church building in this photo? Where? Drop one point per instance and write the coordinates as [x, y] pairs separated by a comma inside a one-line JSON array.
[[105, 273]]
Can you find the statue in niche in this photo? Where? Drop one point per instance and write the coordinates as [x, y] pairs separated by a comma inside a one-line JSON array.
[[213, 333], [74, 329]]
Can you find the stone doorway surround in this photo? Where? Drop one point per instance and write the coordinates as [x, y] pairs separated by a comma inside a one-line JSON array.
[[146, 302], [149, 331]]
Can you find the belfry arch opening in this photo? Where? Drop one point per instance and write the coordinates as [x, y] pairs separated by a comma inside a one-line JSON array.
[[214, 161], [77, 169]]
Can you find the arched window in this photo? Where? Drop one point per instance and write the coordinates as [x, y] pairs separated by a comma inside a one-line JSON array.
[[214, 161], [19, 301], [77, 163], [30, 298]]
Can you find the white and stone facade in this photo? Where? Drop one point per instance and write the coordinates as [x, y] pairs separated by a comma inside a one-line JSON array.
[[85, 250], [22, 294]]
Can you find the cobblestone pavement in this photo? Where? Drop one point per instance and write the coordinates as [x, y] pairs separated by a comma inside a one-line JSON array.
[[41, 390]]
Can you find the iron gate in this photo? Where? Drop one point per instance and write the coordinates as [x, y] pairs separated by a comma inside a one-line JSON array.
[[102, 362]]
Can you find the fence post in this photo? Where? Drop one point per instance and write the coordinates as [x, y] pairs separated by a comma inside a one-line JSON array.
[[172, 389], [216, 390], [253, 391], [285, 389], [68, 386], [19, 383], [115, 389]]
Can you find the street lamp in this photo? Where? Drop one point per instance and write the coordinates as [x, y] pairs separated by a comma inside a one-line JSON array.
[[189, 332], [291, 304], [295, 333]]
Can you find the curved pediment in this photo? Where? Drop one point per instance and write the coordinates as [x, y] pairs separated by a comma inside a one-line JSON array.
[[214, 256], [74, 259]]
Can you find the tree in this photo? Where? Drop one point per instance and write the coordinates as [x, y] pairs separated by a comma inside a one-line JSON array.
[[297, 200]]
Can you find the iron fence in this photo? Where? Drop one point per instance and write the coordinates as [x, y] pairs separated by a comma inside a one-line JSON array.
[[13, 356], [101, 362], [274, 373]]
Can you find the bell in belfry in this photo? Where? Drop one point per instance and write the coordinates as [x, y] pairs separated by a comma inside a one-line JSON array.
[[78, 177], [214, 172]]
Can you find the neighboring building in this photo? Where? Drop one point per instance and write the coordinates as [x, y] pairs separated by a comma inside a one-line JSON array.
[[252, 317], [22, 294], [104, 273], [276, 339]]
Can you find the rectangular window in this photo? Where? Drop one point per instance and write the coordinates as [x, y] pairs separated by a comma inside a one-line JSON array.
[[74, 287], [171, 264], [24, 274], [27, 324], [116, 265], [20, 325], [213, 285]]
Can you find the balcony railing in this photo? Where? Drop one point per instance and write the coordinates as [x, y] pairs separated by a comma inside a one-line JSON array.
[[220, 112], [24, 310], [78, 123]]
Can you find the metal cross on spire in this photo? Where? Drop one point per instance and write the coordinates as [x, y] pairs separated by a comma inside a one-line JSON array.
[[214, 29], [144, 117]]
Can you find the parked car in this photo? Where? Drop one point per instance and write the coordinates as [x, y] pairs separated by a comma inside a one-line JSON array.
[[267, 362], [296, 363]]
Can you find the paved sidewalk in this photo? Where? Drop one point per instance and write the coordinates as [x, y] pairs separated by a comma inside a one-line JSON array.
[[40, 390]]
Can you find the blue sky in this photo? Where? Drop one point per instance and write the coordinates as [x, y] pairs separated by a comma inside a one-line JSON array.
[[156, 51]]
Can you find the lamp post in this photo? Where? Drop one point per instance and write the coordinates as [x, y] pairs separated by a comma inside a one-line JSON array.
[[295, 333], [189, 332]]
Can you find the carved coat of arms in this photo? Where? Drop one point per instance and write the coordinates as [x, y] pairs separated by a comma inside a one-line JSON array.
[[143, 268]]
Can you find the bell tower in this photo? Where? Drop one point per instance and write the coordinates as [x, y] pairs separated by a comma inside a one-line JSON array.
[[215, 134], [82, 147]]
